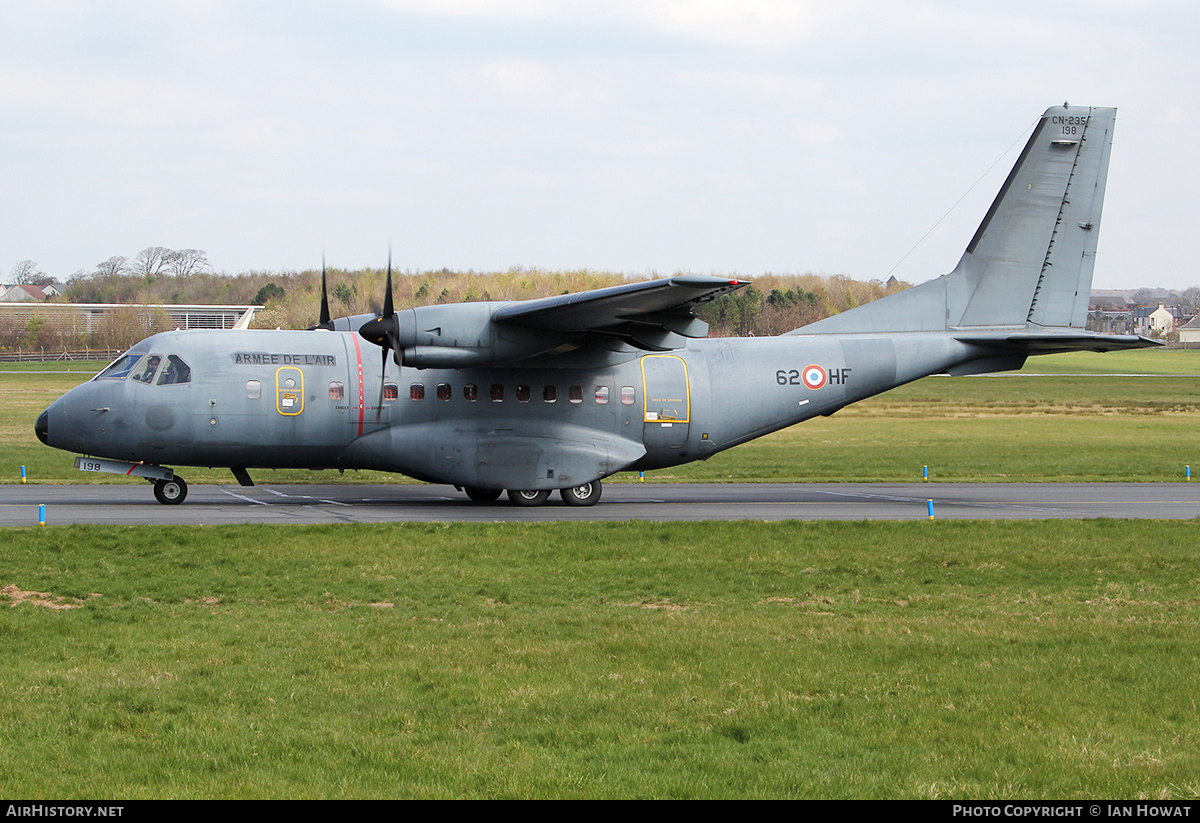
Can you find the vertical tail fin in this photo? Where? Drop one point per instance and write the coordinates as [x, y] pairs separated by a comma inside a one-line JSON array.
[[1030, 262]]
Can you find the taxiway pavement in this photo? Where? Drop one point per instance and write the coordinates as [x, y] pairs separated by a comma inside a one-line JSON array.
[[134, 504]]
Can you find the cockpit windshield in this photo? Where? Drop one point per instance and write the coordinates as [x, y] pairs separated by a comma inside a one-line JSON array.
[[122, 365], [176, 371], [146, 373]]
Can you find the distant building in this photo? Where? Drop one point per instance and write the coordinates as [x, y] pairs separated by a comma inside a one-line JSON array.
[[22, 293], [1164, 319], [1110, 322], [1189, 333]]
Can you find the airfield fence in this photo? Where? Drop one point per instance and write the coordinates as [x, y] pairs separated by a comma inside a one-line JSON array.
[[43, 356]]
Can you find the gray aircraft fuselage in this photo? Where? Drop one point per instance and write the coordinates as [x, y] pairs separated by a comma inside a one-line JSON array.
[[304, 399], [560, 392]]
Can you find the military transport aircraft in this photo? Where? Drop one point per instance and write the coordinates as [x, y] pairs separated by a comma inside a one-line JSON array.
[[558, 393]]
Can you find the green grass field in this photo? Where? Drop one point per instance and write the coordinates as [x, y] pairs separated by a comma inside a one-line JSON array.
[[921, 660], [1022, 427]]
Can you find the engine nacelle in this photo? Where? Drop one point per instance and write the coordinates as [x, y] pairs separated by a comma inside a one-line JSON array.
[[463, 335]]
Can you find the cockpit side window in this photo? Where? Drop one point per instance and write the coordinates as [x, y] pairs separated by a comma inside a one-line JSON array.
[[146, 373], [122, 366], [176, 371]]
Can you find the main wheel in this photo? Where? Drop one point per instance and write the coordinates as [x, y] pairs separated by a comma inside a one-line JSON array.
[[482, 495], [528, 497], [170, 492], [585, 495]]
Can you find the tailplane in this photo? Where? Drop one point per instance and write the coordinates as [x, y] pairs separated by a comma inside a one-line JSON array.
[[1029, 265]]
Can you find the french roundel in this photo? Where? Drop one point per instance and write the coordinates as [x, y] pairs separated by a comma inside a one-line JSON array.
[[814, 377]]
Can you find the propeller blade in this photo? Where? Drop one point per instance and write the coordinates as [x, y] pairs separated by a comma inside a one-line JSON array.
[[388, 310], [384, 331], [382, 381], [325, 322]]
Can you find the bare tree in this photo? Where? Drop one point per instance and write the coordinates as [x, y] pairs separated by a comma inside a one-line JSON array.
[[113, 266], [187, 261], [151, 260], [26, 273], [1189, 299]]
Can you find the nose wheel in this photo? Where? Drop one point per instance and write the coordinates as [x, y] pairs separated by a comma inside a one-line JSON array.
[[170, 492]]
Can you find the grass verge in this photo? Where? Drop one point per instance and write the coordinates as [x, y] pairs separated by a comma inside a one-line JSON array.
[[946, 659]]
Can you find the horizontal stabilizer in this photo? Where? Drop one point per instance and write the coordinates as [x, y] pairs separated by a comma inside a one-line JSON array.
[[1056, 342]]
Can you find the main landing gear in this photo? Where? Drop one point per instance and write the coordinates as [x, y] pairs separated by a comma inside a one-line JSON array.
[[585, 495], [170, 492]]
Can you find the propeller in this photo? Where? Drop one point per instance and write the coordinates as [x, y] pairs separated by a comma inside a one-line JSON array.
[[383, 331]]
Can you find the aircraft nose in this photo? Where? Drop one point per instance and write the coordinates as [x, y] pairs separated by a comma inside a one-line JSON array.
[[42, 426]]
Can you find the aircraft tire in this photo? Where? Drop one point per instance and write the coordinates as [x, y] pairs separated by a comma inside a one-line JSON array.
[[170, 492], [482, 495], [528, 497], [585, 495]]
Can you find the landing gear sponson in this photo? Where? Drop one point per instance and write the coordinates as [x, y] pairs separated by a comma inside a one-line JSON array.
[[585, 495], [168, 489]]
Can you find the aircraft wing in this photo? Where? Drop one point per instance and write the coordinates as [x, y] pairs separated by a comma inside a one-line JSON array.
[[646, 314]]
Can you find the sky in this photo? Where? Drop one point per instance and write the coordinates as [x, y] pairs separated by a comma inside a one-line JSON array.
[[857, 137]]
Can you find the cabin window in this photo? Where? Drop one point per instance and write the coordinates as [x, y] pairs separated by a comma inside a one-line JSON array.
[[550, 393], [497, 393], [337, 391], [416, 391], [122, 366], [176, 371], [470, 392], [627, 395], [391, 391], [601, 395], [443, 392], [253, 389], [146, 373], [522, 394], [575, 394]]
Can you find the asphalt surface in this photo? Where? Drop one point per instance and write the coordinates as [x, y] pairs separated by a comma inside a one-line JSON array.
[[134, 503]]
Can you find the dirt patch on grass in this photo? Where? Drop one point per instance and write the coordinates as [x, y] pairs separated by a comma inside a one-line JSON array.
[[46, 599]]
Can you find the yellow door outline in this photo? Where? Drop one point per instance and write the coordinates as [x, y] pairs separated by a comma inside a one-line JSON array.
[[656, 416], [289, 400]]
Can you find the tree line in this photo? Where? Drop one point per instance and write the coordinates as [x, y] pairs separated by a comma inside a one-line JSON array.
[[151, 261], [771, 304]]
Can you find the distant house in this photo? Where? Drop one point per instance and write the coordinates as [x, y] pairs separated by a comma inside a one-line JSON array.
[[1140, 318], [22, 293], [1158, 322], [1189, 333], [1164, 319], [1110, 322]]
